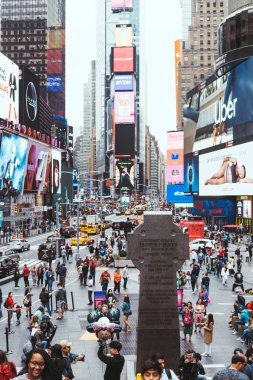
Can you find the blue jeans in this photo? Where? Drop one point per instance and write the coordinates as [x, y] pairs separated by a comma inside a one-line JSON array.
[[238, 323], [47, 305], [125, 279], [247, 336]]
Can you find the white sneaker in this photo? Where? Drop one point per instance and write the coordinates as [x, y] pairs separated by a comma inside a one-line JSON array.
[[204, 354], [234, 332], [238, 338]]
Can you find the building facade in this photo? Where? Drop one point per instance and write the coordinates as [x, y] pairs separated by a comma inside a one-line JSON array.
[[33, 35], [201, 19]]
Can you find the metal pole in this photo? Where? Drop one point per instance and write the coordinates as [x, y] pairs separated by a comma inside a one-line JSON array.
[[101, 195], [72, 300], [51, 302], [58, 227], [78, 226]]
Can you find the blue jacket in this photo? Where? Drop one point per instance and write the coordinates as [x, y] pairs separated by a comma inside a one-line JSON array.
[[244, 316]]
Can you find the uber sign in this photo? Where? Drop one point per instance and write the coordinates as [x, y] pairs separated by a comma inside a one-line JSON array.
[[123, 83], [29, 98]]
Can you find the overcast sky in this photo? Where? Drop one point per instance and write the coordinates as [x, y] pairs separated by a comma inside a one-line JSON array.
[[162, 27]]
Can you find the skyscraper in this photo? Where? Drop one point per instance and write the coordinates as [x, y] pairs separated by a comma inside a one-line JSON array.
[[109, 23], [199, 45], [33, 35]]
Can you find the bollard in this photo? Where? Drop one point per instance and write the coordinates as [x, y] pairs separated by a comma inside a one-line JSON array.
[[8, 352], [72, 300], [55, 306], [9, 321]]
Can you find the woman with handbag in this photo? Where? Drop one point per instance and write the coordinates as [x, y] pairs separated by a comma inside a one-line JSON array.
[[126, 309], [27, 302], [188, 321], [199, 312]]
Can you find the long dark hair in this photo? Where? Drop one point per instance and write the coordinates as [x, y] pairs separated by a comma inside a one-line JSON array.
[[4, 360], [210, 319], [126, 298], [50, 372], [56, 351]]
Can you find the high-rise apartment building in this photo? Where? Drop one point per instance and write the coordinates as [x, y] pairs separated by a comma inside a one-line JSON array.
[[108, 24], [201, 19], [33, 35]]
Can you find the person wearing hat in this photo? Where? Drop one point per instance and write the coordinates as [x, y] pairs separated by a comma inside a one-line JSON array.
[[114, 362]]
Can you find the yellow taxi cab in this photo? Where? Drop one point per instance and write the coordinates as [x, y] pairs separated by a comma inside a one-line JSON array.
[[93, 229], [83, 227], [128, 212], [83, 239]]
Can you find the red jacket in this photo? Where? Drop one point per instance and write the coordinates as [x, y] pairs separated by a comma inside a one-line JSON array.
[[10, 303], [26, 272], [8, 371]]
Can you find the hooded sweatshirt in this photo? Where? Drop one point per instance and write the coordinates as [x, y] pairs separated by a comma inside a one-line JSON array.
[[7, 372]]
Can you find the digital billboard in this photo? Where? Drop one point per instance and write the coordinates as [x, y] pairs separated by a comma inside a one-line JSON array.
[[124, 107], [175, 157], [124, 142], [227, 171], [124, 35], [220, 109], [175, 194], [123, 59], [28, 98], [9, 90], [191, 174], [54, 84], [124, 82], [121, 4], [247, 209], [13, 155], [38, 168], [124, 175], [56, 38], [54, 61], [56, 171]]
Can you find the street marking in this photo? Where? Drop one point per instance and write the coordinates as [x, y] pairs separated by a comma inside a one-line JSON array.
[[88, 336], [214, 366], [218, 313], [225, 303]]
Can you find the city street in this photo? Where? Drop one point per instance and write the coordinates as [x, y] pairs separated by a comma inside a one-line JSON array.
[[72, 327]]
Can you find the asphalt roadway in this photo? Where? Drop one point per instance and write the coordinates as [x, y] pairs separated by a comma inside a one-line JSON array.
[[72, 327]]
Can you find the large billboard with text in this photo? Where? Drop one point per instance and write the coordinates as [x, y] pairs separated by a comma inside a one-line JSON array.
[[220, 109], [124, 107], [9, 90], [123, 59], [54, 61], [175, 157], [38, 168], [124, 142], [13, 155], [124, 175], [175, 194], [227, 171], [124, 82]]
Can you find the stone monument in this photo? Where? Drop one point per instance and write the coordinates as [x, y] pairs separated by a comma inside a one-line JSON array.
[[158, 248]]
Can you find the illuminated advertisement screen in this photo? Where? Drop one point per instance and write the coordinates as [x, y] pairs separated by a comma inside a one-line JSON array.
[[175, 194], [247, 209], [220, 109], [124, 107], [124, 140], [13, 156], [124, 175], [9, 90], [175, 157], [28, 98], [56, 38], [191, 174], [123, 59], [56, 171], [38, 168], [54, 61], [121, 4], [54, 84], [227, 171], [124, 83], [123, 35]]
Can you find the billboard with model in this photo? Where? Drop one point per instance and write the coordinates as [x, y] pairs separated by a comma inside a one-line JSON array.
[[56, 171], [38, 168], [9, 90], [227, 171], [220, 109], [13, 155], [124, 175]]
